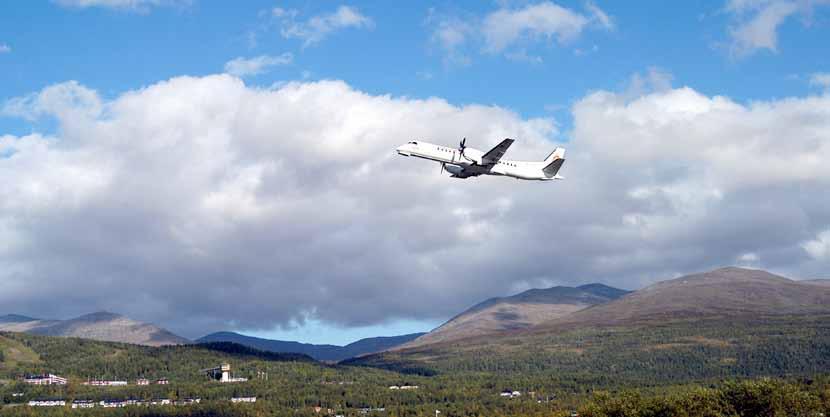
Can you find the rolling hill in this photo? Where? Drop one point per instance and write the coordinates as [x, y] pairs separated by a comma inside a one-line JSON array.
[[318, 352], [97, 326], [721, 323], [727, 292], [520, 311]]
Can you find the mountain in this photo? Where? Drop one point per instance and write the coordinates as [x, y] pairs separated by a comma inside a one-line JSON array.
[[519, 311], [822, 282], [98, 326], [319, 352], [15, 318], [726, 322], [725, 292]]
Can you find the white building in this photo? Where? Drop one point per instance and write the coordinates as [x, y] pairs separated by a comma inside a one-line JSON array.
[[511, 394], [47, 403], [142, 381], [113, 403], [189, 401], [160, 401], [46, 379], [83, 404], [243, 399], [105, 383]]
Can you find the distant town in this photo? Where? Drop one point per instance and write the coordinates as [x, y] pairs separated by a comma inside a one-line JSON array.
[[221, 373]]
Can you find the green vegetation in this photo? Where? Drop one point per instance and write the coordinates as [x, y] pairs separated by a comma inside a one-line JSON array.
[[557, 374], [654, 355]]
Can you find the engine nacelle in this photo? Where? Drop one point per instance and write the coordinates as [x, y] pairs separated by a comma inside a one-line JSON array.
[[453, 169]]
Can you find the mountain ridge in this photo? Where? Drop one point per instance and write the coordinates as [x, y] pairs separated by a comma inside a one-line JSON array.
[[324, 352], [518, 311], [101, 325]]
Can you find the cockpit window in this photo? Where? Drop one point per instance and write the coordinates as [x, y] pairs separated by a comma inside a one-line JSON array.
[[413, 143]]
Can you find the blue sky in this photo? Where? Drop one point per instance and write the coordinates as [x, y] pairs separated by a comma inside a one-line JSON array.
[[747, 50], [117, 49]]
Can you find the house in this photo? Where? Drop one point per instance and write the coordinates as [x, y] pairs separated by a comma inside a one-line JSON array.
[[409, 387], [162, 381], [160, 401], [104, 383], [83, 404], [113, 403], [45, 379], [142, 381], [188, 401], [243, 399], [47, 403], [510, 394]]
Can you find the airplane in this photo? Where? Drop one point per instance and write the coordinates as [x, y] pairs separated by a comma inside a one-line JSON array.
[[468, 162]]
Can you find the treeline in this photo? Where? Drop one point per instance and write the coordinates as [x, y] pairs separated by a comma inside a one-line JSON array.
[[755, 398]]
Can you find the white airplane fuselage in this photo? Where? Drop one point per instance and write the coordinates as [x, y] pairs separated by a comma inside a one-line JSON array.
[[473, 162]]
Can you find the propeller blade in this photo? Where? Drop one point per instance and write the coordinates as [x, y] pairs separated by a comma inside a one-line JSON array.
[[442, 168]]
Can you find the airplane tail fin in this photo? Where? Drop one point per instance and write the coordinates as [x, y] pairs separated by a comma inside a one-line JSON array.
[[554, 162]]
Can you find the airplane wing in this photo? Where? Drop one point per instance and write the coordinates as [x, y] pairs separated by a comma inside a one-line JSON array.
[[494, 155]]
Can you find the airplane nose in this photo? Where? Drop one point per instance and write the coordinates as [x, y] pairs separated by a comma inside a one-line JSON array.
[[404, 150]]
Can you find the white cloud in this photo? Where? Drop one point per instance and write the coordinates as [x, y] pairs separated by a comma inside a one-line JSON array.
[[819, 248], [134, 5], [69, 101], [505, 27], [757, 22], [319, 27], [5, 48], [820, 79], [512, 31], [600, 16], [242, 67], [200, 203]]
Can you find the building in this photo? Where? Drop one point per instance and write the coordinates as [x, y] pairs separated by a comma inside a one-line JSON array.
[[83, 404], [510, 394], [47, 403], [104, 383], [243, 399], [160, 401], [45, 379], [189, 401], [222, 373], [113, 403], [142, 381], [162, 381]]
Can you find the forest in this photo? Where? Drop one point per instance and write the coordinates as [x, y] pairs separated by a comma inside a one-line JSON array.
[[296, 385]]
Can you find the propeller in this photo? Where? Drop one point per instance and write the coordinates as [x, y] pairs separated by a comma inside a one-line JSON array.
[[462, 146], [442, 168]]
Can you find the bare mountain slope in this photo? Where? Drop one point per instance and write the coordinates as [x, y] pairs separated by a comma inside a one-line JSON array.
[[519, 311], [725, 292], [98, 326]]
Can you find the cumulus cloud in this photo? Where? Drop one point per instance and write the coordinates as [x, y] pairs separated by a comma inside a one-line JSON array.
[[242, 67], [512, 30], [134, 5], [757, 22], [201, 203], [69, 101], [317, 28], [5, 48]]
